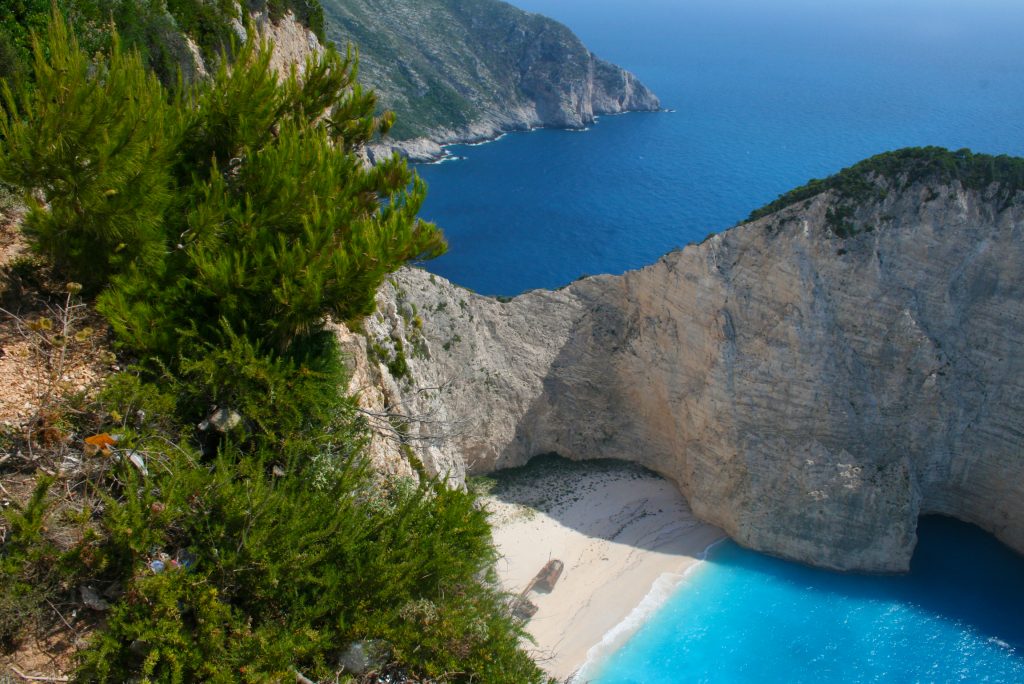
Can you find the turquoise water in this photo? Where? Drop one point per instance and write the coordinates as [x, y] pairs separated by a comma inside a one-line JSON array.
[[745, 617], [766, 93]]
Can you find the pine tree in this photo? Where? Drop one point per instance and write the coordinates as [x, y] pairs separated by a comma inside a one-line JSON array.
[[240, 202], [221, 225], [91, 143]]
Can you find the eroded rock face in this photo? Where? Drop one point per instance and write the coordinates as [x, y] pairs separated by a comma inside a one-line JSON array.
[[810, 394], [474, 367], [293, 42]]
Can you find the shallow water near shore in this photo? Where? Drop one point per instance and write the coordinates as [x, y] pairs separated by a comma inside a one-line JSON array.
[[745, 617], [766, 96], [617, 527]]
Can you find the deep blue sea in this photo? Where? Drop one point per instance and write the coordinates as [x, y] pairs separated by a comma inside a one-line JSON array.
[[767, 94], [745, 617]]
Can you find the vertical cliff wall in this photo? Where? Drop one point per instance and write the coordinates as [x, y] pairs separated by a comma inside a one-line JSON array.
[[813, 381]]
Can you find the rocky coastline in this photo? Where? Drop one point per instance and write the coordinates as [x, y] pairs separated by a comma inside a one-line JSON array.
[[470, 72], [813, 381], [434, 148]]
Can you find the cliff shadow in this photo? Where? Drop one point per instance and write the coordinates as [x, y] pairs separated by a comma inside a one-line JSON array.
[[573, 431], [603, 499]]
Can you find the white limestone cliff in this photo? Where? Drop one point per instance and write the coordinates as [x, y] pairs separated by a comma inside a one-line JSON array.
[[812, 395]]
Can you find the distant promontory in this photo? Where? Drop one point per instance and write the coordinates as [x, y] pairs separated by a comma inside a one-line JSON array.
[[469, 70]]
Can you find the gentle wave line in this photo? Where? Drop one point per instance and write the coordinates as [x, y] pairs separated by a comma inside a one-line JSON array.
[[661, 591]]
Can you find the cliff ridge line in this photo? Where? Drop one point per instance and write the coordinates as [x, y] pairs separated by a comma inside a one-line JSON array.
[[813, 380]]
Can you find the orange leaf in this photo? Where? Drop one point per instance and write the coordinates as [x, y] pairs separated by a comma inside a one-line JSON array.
[[102, 441]]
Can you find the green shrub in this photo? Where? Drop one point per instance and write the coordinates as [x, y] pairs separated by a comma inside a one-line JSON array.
[[176, 629], [284, 399], [34, 570], [265, 222], [208, 22], [130, 403], [283, 576], [19, 554], [91, 146]]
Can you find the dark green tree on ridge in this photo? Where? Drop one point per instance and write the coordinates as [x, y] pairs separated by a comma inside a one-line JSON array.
[[242, 201]]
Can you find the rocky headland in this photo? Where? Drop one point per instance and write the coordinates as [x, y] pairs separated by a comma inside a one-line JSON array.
[[813, 380], [467, 71]]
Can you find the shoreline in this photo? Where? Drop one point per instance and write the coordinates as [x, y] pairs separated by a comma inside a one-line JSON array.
[[661, 591], [434, 149], [626, 536]]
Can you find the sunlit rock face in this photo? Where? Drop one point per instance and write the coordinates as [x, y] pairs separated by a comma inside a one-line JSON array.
[[813, 381]]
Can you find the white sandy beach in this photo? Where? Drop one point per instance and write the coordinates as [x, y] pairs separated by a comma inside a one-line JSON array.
[[617, 528]]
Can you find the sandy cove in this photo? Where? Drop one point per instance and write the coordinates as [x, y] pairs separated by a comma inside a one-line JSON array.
[[617, 528]]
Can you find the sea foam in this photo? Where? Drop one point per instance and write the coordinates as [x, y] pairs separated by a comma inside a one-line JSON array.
[[663, 588]]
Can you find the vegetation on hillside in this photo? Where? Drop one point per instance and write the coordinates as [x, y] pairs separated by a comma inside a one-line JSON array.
[[871, 178], [217, 229], [155, 28], [445, 65], [400, 67]]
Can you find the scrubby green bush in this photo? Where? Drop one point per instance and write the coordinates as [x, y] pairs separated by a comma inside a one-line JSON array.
[[250, 555], [35, 570], [24, 590], [91, 143], [282, 576], [208, 22]]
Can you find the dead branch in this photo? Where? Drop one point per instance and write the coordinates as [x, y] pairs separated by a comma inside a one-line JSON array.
[[302, 679], [395, 425], [36, 678], [61, 616]]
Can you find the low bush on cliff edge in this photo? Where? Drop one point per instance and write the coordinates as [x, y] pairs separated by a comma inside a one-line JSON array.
[[904, 167], [217, 229], [283, 562]]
